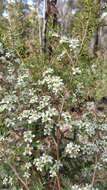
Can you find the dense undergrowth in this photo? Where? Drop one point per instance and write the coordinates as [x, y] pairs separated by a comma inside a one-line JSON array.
[[52, 134]]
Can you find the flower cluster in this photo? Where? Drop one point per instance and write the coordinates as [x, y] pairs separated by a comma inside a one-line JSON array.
[[8, 180], [62, 55], [86, 187], [27, 174], [72, 150], [46, 161], [72, 42], [65, 124], [54, 83], [55, 169], [28, 150], [76, 70], [28, 136], [41, 162]]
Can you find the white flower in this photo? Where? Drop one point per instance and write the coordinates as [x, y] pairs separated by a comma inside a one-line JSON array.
[[8, 55], [28, 136], [9, 99], [104, 157], [55, 169], [33, 100], [55, 35], [76, 70], [89, 128], [72, 150], [79, 88], [64, 39], [26, 175], [66, 117], [90, 148], [94, 67], [41, 162], [48, 71], [24, 114], [46, 158], [74, 43], [23, 78], [74, 11], [9, 122], [52, 173], [86, 187], [54, 83], [28, 165], [44, 102], [48, 115], [34, 116], [28, 150], [5, 181], [39, 165], [17, 60], [65, 124], [104, 14], [61, 55], [91, 106], [74, 98], [8, 180], [48, 129]]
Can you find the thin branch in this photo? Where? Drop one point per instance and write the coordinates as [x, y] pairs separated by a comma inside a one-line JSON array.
[[18, 177], [95, 169]]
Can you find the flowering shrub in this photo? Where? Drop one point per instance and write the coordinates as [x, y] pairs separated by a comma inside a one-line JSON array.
[[87, 187], [39, 138]]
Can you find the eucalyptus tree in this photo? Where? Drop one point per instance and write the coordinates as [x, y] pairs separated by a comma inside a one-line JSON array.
[[1, 7], [66, 11]]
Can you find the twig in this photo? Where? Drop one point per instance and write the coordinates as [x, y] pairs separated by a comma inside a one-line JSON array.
[[18, 177], [84, 37], [95, 169], [71, 61], [58, 182], [58, 143]]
